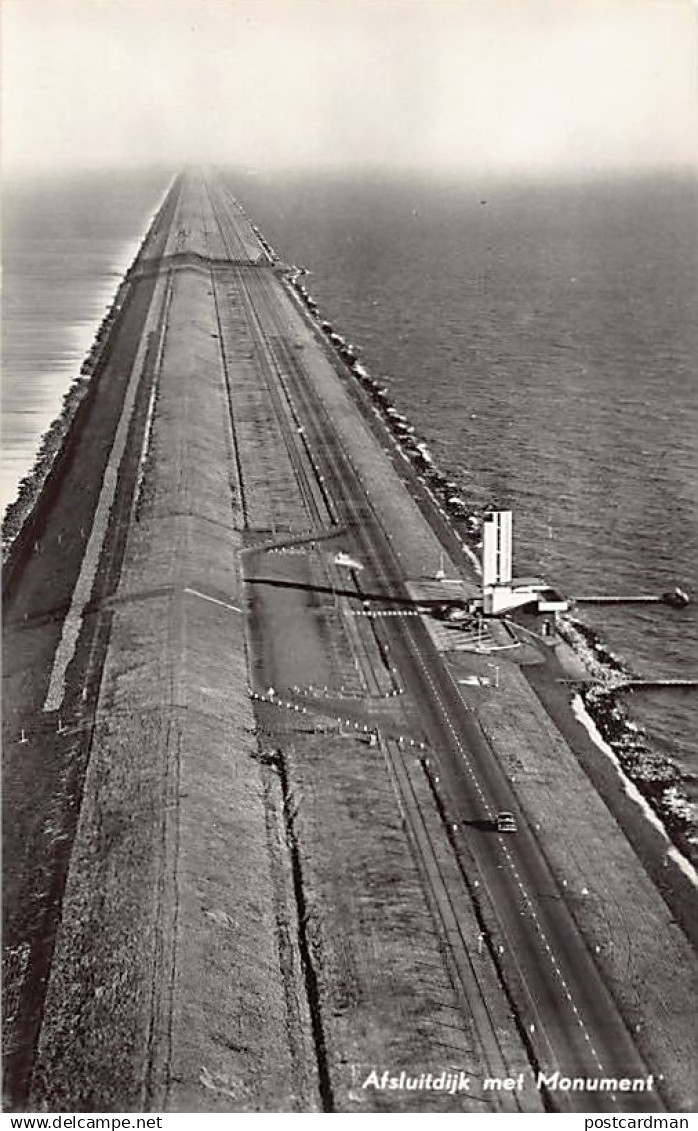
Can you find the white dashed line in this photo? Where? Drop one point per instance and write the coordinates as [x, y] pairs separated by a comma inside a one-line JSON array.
[[505, 852]]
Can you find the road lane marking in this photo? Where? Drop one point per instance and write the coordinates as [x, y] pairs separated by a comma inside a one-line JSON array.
[[465, 760], [213, 600], [505, 850]]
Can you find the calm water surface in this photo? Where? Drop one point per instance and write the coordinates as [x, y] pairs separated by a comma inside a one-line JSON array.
[[543, 340], [66, 244]]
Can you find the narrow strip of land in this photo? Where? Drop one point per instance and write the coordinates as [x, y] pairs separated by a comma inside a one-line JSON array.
[[230, 892]]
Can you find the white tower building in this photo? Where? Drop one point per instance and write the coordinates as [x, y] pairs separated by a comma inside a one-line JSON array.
[[496, 550], [501, 592]]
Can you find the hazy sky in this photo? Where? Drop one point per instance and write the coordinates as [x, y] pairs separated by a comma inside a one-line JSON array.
[[542, 87]]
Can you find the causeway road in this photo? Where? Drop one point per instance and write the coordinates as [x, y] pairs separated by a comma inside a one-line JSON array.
[[222, 418], [574, 1024]]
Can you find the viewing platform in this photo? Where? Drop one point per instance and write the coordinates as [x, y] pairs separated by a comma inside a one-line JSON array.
[[250, 785]]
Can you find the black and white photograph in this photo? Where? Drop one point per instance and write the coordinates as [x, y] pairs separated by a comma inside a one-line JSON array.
[[349, 479]]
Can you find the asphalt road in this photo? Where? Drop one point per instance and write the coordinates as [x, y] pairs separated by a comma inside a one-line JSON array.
[[578, 1029], [573, 1022]]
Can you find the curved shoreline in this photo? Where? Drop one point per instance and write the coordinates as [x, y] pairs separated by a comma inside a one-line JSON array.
[[654, 776], [51, 444], [153, 917]]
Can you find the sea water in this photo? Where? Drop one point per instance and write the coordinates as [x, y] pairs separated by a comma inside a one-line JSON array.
[[543, 339], [67, 242]]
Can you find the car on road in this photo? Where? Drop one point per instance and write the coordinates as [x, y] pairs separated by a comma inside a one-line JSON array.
[[451, 611], [505, 822]]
